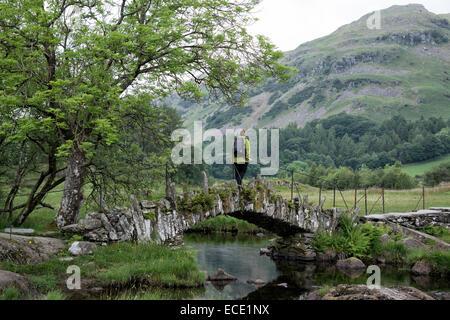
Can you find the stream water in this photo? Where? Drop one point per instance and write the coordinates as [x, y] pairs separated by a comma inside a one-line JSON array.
[[239, 256]]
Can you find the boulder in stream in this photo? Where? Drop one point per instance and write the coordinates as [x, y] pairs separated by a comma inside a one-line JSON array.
[[257, 282], [421, 268], [350, 264], [363, 292], [221, 275]]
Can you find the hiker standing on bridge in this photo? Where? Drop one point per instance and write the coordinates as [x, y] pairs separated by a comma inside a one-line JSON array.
[[241, 156]]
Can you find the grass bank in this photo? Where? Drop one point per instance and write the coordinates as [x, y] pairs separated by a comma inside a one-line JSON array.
[[225, 223], [118, 266]]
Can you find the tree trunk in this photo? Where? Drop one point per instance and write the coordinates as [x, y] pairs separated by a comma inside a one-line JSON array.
[[72, 198], [37, 196]]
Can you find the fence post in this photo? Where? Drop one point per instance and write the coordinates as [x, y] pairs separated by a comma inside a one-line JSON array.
[[356, 193], [320, 194], [167, 179], [365, 199], [334, 197], [382, 196], [292, 185], [100, 200], [423, 197]]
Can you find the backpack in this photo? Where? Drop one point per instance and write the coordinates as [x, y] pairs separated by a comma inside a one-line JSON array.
[[239, 147]]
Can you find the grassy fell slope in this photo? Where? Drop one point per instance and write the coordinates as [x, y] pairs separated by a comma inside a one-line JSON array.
[[402, 68]]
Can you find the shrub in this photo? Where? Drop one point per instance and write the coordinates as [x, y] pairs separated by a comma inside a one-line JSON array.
[[438, 259], [199, 203], [437, 174], [10, 294], [395, 178], [437, 231], [301, 96], [394, 251], [323, 241], [277, 108], [357, 240], [54, 295]]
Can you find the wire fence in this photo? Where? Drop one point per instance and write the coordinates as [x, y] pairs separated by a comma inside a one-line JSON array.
[[373, 198]]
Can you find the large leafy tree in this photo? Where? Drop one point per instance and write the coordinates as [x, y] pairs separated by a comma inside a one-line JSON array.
[[71, 69]]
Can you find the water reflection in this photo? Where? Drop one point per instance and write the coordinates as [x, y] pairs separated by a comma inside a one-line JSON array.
[[239, 256]]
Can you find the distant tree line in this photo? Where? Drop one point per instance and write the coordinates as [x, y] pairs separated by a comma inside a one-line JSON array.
[[390, 177], [354, 141]]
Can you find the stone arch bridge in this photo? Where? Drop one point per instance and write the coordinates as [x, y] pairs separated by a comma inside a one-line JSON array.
[[164, 220]]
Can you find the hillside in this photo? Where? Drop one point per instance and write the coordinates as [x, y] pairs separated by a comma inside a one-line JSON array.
[[401, 69]]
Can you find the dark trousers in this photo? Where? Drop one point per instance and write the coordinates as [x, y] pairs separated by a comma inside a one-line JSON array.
[[239, 171]]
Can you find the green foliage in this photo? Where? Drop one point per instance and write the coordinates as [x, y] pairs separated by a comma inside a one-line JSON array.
[[394, 178], [274, 97], [438, 231], [317, 99], [76, 237], [437, 174], [396, 236], [278, 108], [299, 97], [297, 166], [248, 194], [394, 251], [201, 202], [149, 215], [357, 240], [10, 293], [323, 291], [54, 295], [390, 177], [438, 259], [324, 241], [44, 283]]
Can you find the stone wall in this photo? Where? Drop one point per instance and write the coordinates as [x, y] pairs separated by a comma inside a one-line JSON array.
[[414, 220], [164, 220]]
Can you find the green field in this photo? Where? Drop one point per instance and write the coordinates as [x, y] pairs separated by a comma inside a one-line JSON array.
[[419, 168], [395, 200]]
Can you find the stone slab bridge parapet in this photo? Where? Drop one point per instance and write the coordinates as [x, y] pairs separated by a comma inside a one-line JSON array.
[[436, 216], [163, 220]]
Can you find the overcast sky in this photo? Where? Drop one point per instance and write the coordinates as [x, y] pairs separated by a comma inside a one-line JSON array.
[[289, 23]]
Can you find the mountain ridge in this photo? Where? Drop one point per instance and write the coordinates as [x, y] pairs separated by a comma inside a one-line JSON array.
[[401, 69]]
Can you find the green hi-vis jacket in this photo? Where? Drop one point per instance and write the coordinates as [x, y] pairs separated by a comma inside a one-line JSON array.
[[247, 152]]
